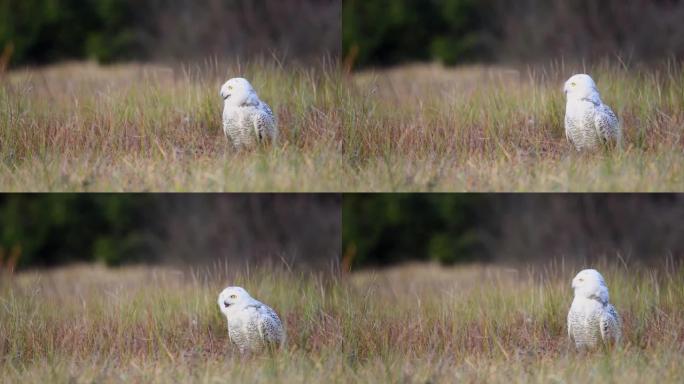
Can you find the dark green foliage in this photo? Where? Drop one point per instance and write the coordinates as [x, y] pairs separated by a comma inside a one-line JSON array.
[[385, 229], [390, 31], [42, 31], [54, 229], [450, 228], [45, 31]]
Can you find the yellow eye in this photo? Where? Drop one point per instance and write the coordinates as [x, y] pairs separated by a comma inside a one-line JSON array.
[[573, 84], [233, 296], [581, 279], [230, 87]]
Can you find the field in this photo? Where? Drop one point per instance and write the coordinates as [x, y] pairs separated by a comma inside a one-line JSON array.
[[427, 128], [415, 323], [83, 127]]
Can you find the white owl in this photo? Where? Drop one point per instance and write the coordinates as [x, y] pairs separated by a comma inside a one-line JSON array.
[[252, 325], [588, 122], [592, 320], [246, 119]]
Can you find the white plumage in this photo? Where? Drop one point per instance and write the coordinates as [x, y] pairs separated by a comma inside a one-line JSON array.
[[246, 119], [252, 325], [592, 320], [588, 122]]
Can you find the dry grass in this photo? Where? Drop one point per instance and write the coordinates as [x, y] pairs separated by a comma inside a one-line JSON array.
[[424, 127], [408, 324], [81, 127]]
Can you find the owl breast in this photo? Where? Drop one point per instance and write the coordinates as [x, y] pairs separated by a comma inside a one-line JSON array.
[[579, 125]]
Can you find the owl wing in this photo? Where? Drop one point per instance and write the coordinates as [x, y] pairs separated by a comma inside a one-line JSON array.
[[610, 325], [270, 327], [264, 123], [607, 124]]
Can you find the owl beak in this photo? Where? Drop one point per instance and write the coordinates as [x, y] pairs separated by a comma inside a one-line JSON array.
[[226, 304]]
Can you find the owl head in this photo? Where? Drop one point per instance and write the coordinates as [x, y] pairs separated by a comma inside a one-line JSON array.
[[232, 296], [581, 87], [238, 92], [590, 284]]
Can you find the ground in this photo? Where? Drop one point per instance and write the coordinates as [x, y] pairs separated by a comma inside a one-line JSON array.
[[414, 323]]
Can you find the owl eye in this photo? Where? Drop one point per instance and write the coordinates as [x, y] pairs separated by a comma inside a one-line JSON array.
[[573, 84], [233, 296], [581, 279], [230, 87]]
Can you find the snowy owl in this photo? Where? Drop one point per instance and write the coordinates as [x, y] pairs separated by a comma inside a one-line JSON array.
[[246, 119], [588, 122], [592, 320], [252, 325]]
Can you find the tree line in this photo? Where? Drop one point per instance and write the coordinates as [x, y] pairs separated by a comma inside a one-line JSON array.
[[388, 32], [48, 230], [381, 230], [326, 232], [45, 31]]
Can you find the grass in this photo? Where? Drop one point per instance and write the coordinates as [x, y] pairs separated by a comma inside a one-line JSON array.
[[82, 127], [427, 128], [415, 323]]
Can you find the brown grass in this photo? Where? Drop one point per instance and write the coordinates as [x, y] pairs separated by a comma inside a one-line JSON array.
[[414, 323], [80, 127], [426, 127], [151, 128]]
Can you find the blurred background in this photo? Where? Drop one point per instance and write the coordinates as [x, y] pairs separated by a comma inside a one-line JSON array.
[[45, 31], [318, 231], [56, 229], [388, 32], [387, 229]]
